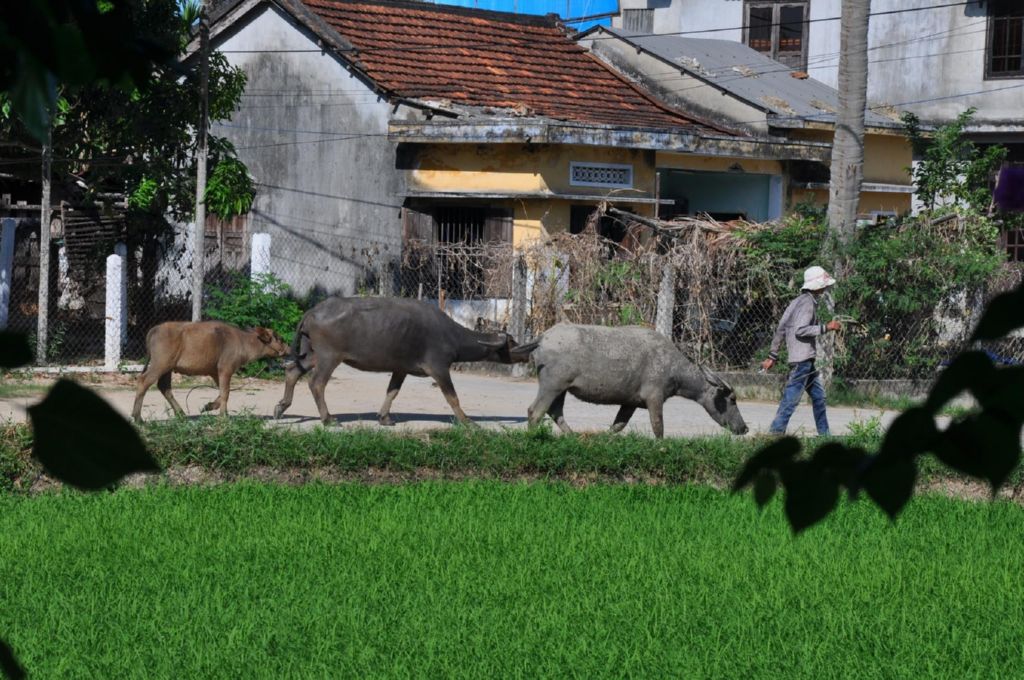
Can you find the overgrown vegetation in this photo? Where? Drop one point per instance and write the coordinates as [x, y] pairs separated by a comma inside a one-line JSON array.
[[953, 171], [262, 300], [486, 579]]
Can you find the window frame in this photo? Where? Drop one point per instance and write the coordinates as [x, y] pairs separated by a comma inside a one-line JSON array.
[[776, 7], [994, 14], [1015, 250], [643, 12]]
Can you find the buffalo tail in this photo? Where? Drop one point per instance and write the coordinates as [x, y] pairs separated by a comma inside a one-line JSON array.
[[301, 346]]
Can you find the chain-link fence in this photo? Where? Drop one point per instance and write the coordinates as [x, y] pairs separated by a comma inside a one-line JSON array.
[[695, 283]]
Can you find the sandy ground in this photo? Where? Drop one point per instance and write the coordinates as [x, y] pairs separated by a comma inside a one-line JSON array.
[[494, 402]]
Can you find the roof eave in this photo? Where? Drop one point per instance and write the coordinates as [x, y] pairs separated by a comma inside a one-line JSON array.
[[547, 131]]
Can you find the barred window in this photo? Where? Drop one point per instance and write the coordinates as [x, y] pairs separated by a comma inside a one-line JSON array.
[[779, 29], [1005, 58], [601, 175], [1013, 241]]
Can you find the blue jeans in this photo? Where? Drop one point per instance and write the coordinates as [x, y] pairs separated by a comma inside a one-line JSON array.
[[802, 376]]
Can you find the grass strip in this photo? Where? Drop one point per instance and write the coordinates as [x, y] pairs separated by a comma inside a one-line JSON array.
[[486, 579], [240, 444]]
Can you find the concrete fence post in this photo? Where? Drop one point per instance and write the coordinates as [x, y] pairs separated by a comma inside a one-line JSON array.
[[6, 267], [517, 316], [259, 262], [115, 316], [666, 300], [121, 250]]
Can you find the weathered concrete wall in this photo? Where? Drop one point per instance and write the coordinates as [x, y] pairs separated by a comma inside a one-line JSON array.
[[933, 55], [315, 139], [672, 16]]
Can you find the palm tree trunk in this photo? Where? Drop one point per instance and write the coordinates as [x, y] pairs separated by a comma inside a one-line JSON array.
[[847, 171]]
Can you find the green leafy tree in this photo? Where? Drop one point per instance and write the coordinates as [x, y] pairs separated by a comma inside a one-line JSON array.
[[138, 139], [951, 167], [71, 43]]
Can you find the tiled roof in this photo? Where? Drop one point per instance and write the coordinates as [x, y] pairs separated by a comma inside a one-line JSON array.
[[491, 59]]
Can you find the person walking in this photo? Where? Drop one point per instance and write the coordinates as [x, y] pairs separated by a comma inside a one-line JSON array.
[[800, 328]]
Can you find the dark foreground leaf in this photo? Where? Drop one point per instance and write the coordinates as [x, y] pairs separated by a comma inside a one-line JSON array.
[[889, 481], [810, 494], [772, 457], [82, 441], [1004, 314], [8, 664], [14, 350]]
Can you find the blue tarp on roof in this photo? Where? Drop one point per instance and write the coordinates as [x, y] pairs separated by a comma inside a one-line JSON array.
[[564, 8]]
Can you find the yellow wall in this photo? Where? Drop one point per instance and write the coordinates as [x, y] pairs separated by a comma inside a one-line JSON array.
[[528, 169], [715, 164], [869, 200], [886, 156], [522, 168]]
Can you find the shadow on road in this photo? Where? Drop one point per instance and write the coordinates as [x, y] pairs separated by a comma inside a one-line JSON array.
[[371, 418]]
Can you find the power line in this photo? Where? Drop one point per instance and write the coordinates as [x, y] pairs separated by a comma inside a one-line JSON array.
[[527, 41]]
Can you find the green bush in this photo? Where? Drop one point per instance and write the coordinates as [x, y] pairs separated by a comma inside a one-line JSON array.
[[261, 301]]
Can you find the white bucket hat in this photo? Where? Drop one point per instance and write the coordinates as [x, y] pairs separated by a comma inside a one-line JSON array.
[[816, 278]]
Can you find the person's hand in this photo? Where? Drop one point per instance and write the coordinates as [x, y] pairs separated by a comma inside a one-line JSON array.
[[767, 364], [833, 325]]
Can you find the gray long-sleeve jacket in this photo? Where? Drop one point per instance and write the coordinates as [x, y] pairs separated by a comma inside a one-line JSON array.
[[799, 325]]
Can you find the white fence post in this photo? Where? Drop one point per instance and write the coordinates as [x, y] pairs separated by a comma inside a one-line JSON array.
[[115, 311], [121, 250], [259, 262], [666, 301], [6, 267]]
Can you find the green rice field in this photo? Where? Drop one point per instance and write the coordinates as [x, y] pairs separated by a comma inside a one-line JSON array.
[[490, 579]]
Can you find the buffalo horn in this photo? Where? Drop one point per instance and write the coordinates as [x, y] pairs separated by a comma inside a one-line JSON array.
[[495, 344]]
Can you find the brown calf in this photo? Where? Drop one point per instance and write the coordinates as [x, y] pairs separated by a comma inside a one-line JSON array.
[[210, 348]]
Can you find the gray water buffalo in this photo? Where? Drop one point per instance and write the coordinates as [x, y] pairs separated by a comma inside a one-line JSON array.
[[393, 335], [210, 348], [631, 366]]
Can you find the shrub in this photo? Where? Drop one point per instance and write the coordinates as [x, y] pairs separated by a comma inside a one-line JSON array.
[[264, 300]]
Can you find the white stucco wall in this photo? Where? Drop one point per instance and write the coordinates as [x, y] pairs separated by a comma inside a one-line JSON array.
[[315, 139], [936, 54]]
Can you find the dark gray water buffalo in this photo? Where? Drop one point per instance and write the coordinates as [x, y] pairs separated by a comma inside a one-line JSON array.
[[631, 366], [394, 335]]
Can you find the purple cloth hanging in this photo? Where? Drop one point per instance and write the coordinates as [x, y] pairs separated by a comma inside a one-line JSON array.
[[1009, 194]]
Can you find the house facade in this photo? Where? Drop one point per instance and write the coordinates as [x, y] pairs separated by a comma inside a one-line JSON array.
[[366, 124], [737, 86], [933, 59]]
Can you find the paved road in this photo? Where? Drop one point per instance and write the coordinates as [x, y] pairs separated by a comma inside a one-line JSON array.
[[497, 402]]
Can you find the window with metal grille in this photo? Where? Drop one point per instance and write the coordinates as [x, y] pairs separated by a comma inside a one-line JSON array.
[[1005, 58], [601, 175], [639, 20], [779, 29], [1013, 240]]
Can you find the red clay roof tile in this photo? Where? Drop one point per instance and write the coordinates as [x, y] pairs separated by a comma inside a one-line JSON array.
[[491, 59]]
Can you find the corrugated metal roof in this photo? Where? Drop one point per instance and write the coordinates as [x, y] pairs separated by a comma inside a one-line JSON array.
[[749, 75]]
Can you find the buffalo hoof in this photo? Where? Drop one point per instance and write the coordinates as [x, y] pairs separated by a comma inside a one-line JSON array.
[[386, 421], [279, 411], [211, 406]]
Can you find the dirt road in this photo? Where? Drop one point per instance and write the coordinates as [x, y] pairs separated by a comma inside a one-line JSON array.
[[496, 402]]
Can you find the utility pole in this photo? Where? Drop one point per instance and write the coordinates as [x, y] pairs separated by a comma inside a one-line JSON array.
[[847, 170], [43, 305], [199, 228]]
